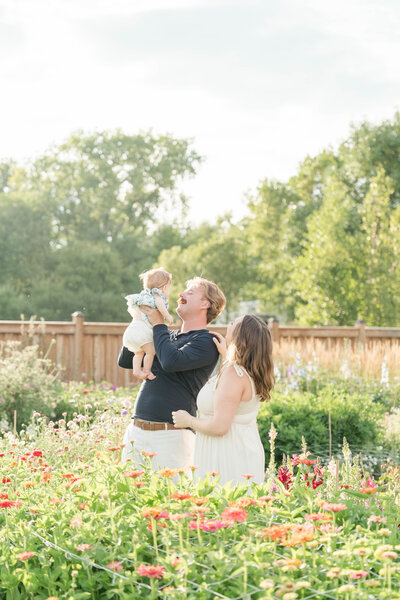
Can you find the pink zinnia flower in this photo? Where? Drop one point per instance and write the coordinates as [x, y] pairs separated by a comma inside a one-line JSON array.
[[115, 566], [357, 574], [151, 571], [75, 522], [333, 507], [84, 547], [25, 555]]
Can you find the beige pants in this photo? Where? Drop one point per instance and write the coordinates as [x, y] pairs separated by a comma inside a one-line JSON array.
[[174, 449]]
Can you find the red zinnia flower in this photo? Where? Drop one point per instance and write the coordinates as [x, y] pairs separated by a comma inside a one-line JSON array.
[[180, 496], [234, 514], [151, 571], [133, 473], [10, 503]]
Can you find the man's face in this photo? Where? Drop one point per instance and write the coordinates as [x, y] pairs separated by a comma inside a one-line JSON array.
[[191, 302]]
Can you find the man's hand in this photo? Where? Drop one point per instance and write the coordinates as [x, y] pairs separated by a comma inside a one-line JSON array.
[[154, 316]]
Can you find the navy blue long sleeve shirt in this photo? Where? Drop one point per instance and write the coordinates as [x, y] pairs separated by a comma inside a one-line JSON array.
[[182, 365]]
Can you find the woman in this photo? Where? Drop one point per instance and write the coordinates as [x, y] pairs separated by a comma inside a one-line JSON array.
[[227, 437]]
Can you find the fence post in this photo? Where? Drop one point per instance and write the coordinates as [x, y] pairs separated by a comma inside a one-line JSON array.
[[362, 336], [274, 329], [78, 319]]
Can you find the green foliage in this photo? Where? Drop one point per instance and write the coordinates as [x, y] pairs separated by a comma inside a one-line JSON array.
[[326, 243], [81, 222], [28, 383], [221, 256], [295, 414], [82, 528], [321, 248]]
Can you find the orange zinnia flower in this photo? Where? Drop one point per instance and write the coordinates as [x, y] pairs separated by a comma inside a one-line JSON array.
[[181, 496], [198, 501], [167, 472], [368, 490], [276, 532], [243, 502]]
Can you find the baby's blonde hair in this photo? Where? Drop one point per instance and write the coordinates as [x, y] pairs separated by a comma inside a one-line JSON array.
[[155, 278]]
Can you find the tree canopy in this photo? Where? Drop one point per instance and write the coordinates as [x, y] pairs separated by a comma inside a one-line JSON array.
[[80, 223]]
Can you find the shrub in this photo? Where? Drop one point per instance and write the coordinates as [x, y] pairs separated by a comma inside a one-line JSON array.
[[28, 383], [296, 414]]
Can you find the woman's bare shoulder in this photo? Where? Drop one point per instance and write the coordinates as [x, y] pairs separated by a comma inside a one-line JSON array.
[[230, 374]]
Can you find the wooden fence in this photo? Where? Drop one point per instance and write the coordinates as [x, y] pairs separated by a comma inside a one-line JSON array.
[[88, 351]]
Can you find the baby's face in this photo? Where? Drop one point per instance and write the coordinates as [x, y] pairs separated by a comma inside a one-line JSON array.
[[166, 289]]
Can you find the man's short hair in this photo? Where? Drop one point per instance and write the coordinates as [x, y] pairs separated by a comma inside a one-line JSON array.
[[213, 294]]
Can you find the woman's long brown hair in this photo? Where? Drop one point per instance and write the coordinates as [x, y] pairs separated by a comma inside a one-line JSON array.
[[251, 348]]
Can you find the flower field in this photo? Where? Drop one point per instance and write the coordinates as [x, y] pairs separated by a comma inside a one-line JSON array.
[[76, 523]]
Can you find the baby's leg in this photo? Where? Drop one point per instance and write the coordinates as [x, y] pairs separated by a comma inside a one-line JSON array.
[[148, 359], [137, 364]]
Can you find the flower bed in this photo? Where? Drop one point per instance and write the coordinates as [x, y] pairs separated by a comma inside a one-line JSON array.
[[78, 524]]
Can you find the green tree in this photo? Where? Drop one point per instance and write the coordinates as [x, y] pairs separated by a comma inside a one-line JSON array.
[[222, 257], [81, 222]]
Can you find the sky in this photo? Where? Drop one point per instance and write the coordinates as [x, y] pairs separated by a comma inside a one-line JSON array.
[[256, 84]]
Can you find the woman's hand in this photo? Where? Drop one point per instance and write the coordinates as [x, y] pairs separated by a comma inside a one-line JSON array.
[[181, 418], [220, 342]]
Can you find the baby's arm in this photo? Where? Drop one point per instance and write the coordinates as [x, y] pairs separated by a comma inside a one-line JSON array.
[[163, 309]]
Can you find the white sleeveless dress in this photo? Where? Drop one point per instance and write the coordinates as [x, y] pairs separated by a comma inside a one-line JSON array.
[[239, 451]]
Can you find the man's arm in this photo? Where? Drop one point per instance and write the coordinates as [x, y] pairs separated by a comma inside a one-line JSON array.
[[197, 353]]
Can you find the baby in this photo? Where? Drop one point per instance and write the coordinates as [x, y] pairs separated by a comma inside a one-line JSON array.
[[138, 336]]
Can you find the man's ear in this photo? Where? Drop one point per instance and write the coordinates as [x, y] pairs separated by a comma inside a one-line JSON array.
[[205, 304]]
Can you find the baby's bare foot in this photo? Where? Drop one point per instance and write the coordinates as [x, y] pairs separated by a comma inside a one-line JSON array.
[[150, 376]]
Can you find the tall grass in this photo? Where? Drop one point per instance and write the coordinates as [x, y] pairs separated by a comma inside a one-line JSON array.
[[335, 356]]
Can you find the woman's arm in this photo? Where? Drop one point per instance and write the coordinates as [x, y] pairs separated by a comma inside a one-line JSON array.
[[226, 401]]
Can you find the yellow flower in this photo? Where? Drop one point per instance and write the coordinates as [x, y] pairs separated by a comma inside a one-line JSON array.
[[384, 531], [334, 572], [384, 548], [266, 584], [303, 584], [340, 553], [362, 551], [289, 596], [346, 588]]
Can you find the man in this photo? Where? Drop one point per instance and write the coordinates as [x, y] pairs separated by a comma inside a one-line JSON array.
[[184, 361]]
